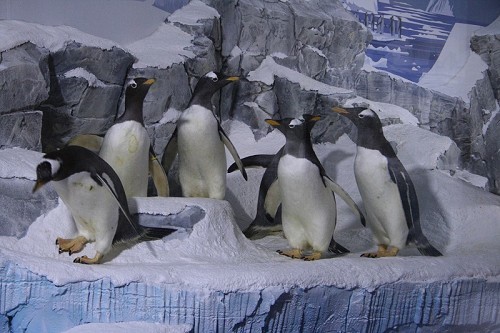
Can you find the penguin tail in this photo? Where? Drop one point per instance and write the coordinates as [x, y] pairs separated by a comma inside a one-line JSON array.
[[336, 248], [151, 233]]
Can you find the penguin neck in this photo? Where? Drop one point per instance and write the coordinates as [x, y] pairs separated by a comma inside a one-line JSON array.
[[300, 147], [202, 99], [375, 140], [133, 111]]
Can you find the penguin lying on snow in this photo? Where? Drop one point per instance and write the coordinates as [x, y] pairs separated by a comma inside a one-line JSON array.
[[199, 140], [385, 186], [94, 195], [308, 208]]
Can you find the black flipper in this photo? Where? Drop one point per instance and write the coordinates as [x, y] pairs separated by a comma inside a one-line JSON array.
[[229, 145], [409, 199], [170, 152], [151, 233], [254, 161]]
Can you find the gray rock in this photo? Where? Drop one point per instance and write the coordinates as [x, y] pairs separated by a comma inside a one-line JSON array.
[[21, 129], [488, 47], [24, 78], [109, 66], [492, 153]]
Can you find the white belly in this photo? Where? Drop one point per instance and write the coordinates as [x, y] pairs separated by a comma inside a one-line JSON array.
[[308, 207], [384, 210], [202, 158], [93, 208], [126, 149]]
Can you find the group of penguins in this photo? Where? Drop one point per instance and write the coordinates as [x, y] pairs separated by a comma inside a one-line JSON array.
[[94, 176]]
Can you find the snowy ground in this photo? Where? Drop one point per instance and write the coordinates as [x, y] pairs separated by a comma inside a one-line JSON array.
[[460, 219]]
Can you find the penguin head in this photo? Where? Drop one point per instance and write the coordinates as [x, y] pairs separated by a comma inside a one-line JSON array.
[[362, 117], [295, 127], [46, 171], [211, 82], [138, 88]]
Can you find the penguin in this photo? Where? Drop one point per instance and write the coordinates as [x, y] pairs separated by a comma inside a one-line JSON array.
[[308, 207], [199, 141], [94, 195], [126, 145], [386, 188], [268, 216]]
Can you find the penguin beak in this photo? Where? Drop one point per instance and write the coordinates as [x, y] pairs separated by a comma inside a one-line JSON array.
[[315, 118], [38, 185], [233, 78], [272, 122], [149, 82], [340, 110]]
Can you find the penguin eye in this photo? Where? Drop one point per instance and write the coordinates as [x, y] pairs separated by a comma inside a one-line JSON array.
[[291, 125], [133, 84], [215, 79], [361, 116]]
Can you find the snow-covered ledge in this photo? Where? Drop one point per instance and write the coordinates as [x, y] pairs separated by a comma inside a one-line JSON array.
[[209, 277]]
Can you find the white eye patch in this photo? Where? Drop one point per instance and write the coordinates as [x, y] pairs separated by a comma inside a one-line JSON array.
[[295, 122], [212, 76], [132, 83], [366, 113], [55, 165]]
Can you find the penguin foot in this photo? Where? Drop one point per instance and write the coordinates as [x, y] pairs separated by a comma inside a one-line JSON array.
[[87, 260], [293, 253], [313, 256], [383, 251], [71, 245]]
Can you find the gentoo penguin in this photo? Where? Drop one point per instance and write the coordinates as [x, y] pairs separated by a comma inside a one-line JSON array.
[[386, 188], [126, 144], [94, 195], [268, 217], [308, 207], [199, 142]]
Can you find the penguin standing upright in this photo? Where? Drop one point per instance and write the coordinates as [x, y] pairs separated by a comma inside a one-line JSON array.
[[126, 145], [308, 207], [386, 188], [94, 195], [199, 141]]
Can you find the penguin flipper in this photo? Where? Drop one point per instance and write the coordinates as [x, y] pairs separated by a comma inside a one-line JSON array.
[[409, 200], [170, 152], [336, 188], [152, 233], [229, 145], [158, 174], [92, 142], [254, 161]]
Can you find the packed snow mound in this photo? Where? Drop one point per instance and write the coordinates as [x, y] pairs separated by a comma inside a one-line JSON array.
[[457, 68]]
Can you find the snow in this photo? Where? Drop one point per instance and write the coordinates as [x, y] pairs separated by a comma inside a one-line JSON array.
[[192, 13], [440, 7], [457, 68], [269, 68], [122, 21], [15, 33], [216, 253], [165, 47], [81, 72], [19, 163]]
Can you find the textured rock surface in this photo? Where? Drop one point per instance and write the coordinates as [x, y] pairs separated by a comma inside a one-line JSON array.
[[21, 129], [428, 306], [24, 77], [19, 206]]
